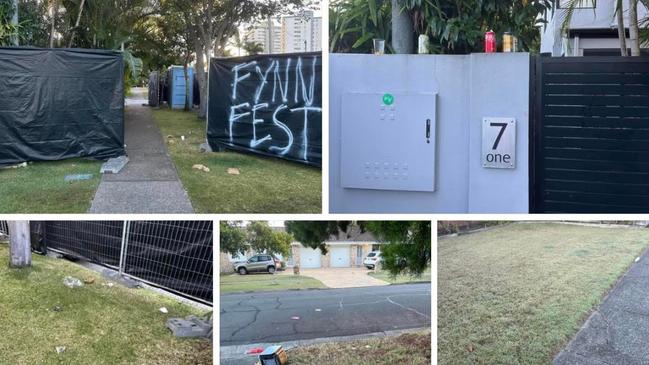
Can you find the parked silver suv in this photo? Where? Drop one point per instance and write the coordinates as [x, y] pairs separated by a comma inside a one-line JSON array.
[[257, 263]]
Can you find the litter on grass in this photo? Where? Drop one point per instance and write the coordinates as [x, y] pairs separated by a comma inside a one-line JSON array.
[[201, 167], [164, 310], [60, 349], [71, 282], [77, 177], [233, 171]]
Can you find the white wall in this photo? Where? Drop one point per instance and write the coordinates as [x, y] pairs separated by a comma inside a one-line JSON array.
[[469, 87]]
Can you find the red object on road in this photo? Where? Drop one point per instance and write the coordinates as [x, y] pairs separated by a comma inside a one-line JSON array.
[[255, 350], [490, 42]]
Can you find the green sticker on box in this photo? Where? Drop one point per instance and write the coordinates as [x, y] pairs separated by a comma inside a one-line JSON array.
[[388, 99]]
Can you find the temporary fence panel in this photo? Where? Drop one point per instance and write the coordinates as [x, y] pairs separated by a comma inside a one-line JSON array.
[[267, 104], [97, 241], [174, 255], [177, 86], [60, 103], [591, 135]]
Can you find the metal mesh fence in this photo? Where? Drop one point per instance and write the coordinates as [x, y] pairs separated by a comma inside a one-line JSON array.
[[174, 255], [97, 241], [189, 267], [4, 228]]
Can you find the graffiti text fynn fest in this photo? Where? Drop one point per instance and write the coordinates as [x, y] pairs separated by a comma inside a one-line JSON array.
[[301, 97]]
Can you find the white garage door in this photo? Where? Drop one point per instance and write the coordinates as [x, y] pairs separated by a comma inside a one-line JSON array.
[[340, 256], [309, 258]]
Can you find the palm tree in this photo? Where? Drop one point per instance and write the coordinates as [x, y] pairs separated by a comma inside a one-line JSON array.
[[634, 30]]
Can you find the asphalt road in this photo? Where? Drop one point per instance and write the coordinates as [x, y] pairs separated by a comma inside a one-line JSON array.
[[307, 314]]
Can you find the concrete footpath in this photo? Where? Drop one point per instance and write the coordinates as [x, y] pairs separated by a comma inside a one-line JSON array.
[[618, 331], [149, 182]]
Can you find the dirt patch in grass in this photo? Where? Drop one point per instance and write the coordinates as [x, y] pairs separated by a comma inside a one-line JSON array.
[[262, 185], [97, 323], [405, 349], [517, 294]]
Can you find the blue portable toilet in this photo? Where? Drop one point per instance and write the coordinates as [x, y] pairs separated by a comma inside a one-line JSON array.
[[177, 90]]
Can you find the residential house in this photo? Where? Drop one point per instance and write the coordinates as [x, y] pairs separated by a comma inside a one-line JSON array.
[[346, 250], [592, 30]]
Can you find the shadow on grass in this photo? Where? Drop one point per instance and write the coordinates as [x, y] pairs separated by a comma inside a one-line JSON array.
[[22, 273]]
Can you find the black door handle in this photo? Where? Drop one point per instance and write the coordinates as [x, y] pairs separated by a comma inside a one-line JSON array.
[[427, 130]]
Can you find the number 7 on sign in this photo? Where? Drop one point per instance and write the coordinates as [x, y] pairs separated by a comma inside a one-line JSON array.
[[502, 126]]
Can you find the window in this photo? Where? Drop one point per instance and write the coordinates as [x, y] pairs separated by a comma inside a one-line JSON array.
[[254, 259]]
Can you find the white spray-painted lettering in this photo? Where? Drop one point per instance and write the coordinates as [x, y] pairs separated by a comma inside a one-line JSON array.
[[304, 94], [282, 150], [234, 116], [256, 142], [306, 109]]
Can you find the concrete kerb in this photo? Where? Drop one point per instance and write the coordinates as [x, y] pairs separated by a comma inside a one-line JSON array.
[[239, 351]]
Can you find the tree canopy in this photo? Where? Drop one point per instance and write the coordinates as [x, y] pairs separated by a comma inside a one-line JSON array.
[[453, 27], [236, 238], [153, 34], [407, 244]]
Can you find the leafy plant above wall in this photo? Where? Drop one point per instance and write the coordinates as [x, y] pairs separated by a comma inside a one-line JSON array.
[[455, 27]]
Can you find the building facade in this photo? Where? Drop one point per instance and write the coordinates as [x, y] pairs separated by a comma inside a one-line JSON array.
[[592, 30], [301, 33], [268, 34]]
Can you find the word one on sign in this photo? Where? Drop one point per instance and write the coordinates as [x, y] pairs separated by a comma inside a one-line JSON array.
[[499, 143]]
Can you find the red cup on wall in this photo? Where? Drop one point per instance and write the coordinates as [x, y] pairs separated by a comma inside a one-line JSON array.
[[490, 42]]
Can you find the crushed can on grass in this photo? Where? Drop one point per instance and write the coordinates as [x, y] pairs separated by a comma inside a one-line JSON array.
[[490, 42], [273, 355]]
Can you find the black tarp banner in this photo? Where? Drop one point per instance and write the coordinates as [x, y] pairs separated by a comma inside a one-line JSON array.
[[172, 254], [60, 103], [267, 104]]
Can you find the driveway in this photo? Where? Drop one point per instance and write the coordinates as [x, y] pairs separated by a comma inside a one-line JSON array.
[[348, 277], [272, 317], [618, 331]]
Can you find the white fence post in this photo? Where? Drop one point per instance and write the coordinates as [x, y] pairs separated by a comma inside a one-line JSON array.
[[20, 247], [122, 252]]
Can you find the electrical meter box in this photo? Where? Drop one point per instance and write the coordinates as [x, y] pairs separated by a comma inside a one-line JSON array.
[[388, 141]]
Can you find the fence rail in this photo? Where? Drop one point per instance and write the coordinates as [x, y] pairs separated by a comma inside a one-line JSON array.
[[174, 255]]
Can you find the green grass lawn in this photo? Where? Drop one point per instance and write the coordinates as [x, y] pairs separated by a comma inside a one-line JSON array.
[[265, 185], [97, 324], [408, 348], [401, 279], [517, 294], [231, 283], [41, 187]]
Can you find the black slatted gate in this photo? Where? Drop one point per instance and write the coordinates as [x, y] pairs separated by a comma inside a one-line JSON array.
[[590, 141]]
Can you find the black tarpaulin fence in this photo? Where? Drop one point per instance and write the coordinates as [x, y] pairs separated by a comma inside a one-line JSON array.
[[267, 104], [174, 255], [60, 103]]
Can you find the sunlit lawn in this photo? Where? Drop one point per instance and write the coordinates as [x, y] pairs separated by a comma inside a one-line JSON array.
[[517, 294]]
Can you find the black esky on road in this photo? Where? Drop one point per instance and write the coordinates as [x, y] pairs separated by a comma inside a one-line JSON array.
[[269, 317]]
